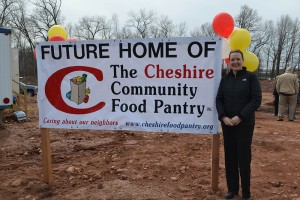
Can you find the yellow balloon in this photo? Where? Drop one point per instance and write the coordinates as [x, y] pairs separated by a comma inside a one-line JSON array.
[[57, 30], [240, 39], [251, 61]]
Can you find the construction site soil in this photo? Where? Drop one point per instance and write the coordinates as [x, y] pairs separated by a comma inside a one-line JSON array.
[[126, 165]]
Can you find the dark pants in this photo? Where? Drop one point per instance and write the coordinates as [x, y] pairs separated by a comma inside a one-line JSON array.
[[237, 148], [276, 104]]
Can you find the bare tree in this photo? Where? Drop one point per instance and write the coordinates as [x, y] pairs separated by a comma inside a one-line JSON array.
[[90, 28], [203, 31], [115, 27], [6, 6], [97, 27], [154, 31], [70, 28], [267, 48], [181, 30], [25, 34], [142, 21], [298, 59], [46, 13], [276, 45], [292, 42], [165, 26], [248, 19], [32, 27], [111, 28], [22, 22], [284, 24], [126, 33], [261, 37]]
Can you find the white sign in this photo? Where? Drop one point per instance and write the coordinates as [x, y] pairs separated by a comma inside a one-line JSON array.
[[166, 85]]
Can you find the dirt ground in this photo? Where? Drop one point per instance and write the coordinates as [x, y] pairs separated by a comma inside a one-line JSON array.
[[125, 165]]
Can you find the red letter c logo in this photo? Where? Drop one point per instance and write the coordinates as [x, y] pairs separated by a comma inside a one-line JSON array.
[[53, 90]]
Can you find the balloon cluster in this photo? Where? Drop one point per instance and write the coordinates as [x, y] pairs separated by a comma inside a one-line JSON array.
[[55, 34], [234, 38]]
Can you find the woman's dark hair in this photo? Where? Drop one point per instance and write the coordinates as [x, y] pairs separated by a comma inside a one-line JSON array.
[[236, 51]]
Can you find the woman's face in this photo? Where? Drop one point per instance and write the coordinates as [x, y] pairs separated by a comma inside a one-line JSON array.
[[236, 61]]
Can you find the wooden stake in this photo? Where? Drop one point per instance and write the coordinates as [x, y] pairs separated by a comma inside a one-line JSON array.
[[1, 118], [46, 155], [215, 162]]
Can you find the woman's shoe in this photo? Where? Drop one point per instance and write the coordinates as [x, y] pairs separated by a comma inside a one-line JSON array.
[[229, 195]]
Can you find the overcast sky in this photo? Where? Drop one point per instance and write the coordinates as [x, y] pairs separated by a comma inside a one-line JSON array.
[[193, 12]]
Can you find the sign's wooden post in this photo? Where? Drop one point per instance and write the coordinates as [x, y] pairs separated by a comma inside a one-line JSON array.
[[215, 161], [46, 155], [1, 118]]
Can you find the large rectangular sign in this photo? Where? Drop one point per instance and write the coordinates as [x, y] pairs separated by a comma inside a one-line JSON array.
[[157, 85]]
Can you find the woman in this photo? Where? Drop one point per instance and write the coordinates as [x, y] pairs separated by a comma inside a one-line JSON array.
[[239, 95]]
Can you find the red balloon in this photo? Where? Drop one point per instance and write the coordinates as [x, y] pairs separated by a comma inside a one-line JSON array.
[[56, 38], [223, 24], [72, 39], [34, 53], [227, 61]]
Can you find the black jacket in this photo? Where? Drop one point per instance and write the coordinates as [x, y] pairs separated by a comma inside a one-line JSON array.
[[239, 95]]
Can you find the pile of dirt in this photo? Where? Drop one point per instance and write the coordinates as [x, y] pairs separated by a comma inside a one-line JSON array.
[[267, 85]]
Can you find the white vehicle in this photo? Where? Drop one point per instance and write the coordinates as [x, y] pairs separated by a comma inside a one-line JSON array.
[[6, 94]]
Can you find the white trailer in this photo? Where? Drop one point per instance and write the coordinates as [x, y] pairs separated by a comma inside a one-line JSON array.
[[6, 94], [15, 70]]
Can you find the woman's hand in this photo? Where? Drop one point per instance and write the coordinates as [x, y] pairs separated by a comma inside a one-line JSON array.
[[227, 121], [235, 120], [231, 122]]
